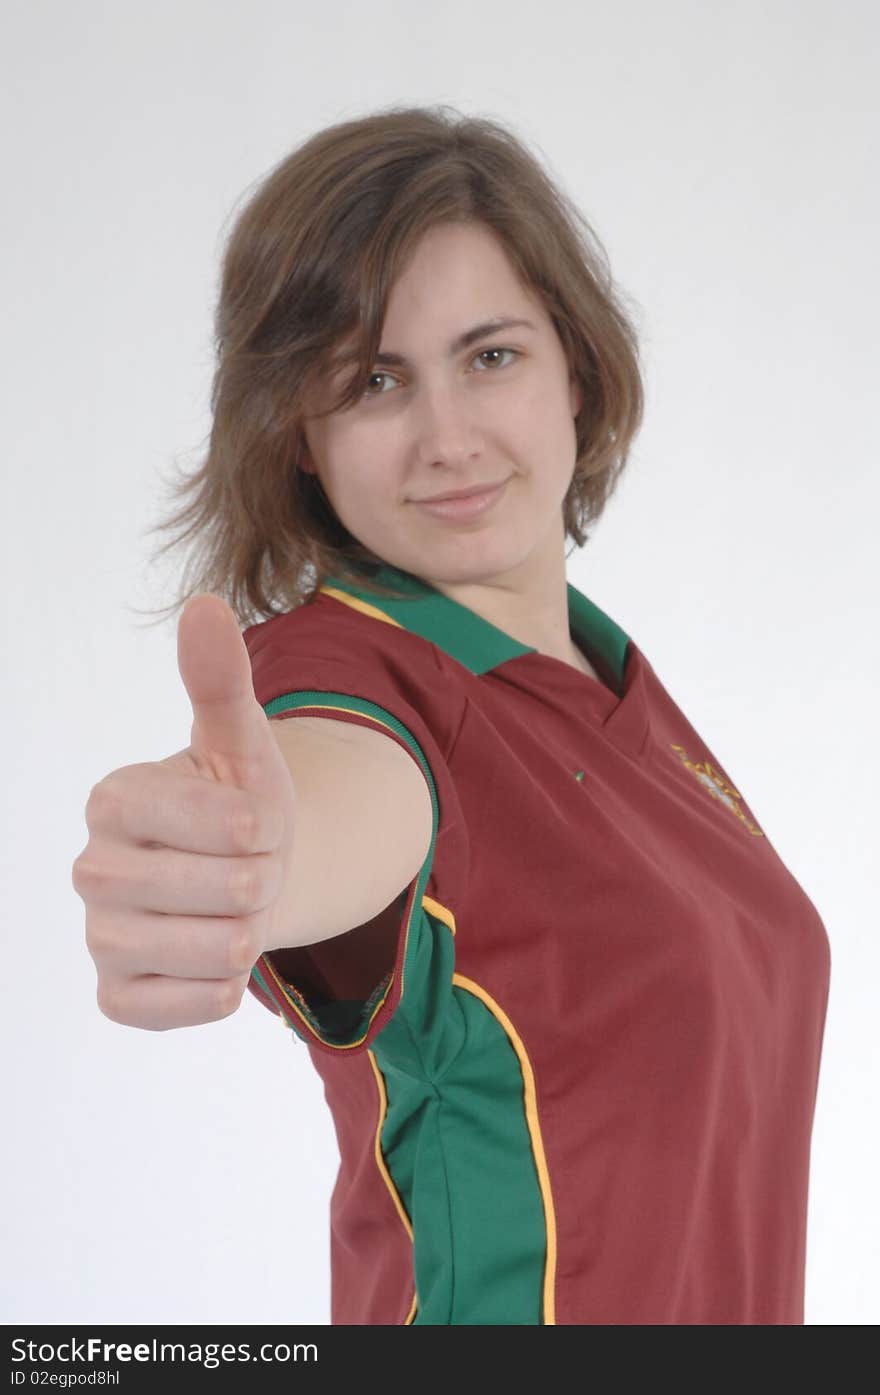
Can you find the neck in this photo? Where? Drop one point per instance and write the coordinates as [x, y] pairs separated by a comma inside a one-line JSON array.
[[528, 602]]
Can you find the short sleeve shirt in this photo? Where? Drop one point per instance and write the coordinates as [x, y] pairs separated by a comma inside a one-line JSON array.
[[584, 1090]]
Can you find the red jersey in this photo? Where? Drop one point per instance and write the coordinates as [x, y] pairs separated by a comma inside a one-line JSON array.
[[584, 1090]]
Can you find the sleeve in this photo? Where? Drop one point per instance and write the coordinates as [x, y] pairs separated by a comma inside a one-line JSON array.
[[350, 669]]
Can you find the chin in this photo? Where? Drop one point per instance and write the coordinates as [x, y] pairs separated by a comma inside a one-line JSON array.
[[468, 565]]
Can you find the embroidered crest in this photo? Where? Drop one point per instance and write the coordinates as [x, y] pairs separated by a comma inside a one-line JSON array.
[[712, 780]]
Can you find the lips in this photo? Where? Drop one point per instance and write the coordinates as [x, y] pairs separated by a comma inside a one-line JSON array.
[[466, 504], [461, 493]]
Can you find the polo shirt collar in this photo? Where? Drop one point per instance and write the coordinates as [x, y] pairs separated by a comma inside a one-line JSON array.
[[474, 642]]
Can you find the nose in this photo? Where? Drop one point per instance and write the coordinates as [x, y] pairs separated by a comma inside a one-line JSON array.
[[443, 423]]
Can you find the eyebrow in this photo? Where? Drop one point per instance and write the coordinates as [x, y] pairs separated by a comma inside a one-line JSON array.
[[464, 340]]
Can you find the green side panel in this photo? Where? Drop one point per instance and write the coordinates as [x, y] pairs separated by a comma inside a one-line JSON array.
[[455, 1138], [346, 1023], [457, 1146]]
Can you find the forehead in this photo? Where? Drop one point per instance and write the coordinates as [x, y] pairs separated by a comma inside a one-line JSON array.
[[451, 244], [456, 264], [460, 276]]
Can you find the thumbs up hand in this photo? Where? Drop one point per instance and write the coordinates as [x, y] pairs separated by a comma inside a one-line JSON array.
[[187, 856]]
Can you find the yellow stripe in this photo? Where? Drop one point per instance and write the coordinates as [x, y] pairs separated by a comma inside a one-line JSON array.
[[531, 1107], [439, 912], [386, 1176], [363, 606]]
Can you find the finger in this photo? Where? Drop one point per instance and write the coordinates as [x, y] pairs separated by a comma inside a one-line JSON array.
[[158, 1004], [128, 943], [178, 883], [230, 729], [160, 803]]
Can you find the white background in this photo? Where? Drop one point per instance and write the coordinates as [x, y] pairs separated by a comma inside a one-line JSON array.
[[727, 157]]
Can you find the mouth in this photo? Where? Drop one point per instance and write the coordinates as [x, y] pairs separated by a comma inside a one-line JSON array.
[[464, 504], [458, 494]]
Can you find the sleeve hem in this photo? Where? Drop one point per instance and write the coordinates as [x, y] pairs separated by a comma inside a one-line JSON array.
[[334, 1030]]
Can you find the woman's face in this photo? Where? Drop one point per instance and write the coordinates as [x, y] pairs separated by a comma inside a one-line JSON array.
[[447, 418]]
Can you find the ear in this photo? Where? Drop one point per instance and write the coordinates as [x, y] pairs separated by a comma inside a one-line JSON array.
[[575, 395], [304, 459]]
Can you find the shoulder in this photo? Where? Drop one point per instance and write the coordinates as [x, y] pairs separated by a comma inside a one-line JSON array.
[[330, 646], [335, 625]]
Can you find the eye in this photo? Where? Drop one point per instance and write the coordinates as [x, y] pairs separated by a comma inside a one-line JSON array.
[[515, 353], [480, 354], [371, 379]]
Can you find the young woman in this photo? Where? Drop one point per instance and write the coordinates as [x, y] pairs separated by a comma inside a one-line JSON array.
[[566, 1001]]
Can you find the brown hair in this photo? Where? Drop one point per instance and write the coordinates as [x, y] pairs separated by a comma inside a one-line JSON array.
[[310, 262]]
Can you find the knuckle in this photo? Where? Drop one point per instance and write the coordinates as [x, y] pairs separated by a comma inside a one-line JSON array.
[[108, 1001], [88, 877], [103, 804], [102, 941], [228, 995], [245, 827], [241, 950], [242, 888], [76, 873], [95, 943]]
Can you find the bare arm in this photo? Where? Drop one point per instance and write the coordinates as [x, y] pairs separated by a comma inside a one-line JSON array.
[[362, 829]]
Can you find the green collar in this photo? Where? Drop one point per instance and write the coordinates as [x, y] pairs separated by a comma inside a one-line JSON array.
[[466, 636]]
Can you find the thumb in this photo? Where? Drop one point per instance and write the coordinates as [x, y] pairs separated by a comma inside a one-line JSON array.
[[230, 737]]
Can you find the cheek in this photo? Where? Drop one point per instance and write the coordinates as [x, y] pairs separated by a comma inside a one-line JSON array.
[[367, 461], [358, 483], [537, 419]]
